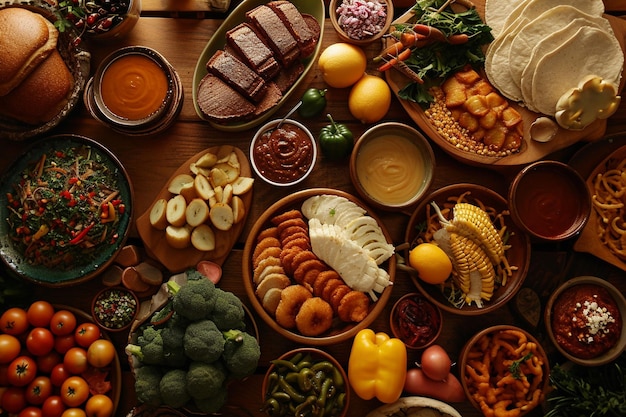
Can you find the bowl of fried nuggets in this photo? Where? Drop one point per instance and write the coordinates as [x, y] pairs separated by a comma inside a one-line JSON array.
[[301, 262]]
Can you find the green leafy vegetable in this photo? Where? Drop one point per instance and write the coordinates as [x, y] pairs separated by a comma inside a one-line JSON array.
[[515, 366]]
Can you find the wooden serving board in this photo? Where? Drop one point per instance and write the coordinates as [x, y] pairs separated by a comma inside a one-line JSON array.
[[177, 260], [531, 150]]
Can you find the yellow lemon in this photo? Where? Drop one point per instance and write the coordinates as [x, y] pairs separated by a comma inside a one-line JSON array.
[[369, 99], [342, 64], [431, 263]]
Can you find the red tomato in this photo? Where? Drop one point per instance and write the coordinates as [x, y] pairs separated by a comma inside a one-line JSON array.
[[30, 411], [40, 313], [40, 341], [100, 353], [63, 343], [74, 391], [4, 376], [22, 370], [86, 334], [74, 412], [9, 348], [45, 363], [99, 405], [59, 374], [436, 363], [63, 322], [14, 321], [75, 360], [53, 406], [97, 379], [13, 400], [38, 390]]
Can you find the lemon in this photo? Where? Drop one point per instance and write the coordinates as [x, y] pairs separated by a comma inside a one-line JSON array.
[[431, 263], [369, 99], [342, 64]]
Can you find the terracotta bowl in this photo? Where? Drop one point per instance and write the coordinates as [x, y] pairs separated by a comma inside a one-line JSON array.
[[379, 173], [312, 356], [550, 201], [114, 309], [343, 34], [551, 315], [518, 255], [472, 356], [416, 321]]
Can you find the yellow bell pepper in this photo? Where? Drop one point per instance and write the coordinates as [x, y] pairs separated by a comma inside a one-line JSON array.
[[377, 366]]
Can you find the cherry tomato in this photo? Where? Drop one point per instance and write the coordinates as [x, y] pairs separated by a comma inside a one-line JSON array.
[[74, 412], [59, 374], [63, 322], [14, 321], [22, 370], [13, 400], [74, 391], [436, 363], [40, 313], [38, 390], [4, 376], [9, 348], [99, 405], [45, 363], [53, 406], [86, 334], [40, 341], [30, 411], [75, 360], [63, 343], [100, 353]]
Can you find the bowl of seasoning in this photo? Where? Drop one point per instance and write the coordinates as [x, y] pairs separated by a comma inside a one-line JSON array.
[[135, 91], [283, 153], [550, 201], [361, 22], [307, 365], [392, 166], [585, 320], [114, 309], [415, 320]]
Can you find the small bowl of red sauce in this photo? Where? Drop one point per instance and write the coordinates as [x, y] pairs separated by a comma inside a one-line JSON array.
[[585, 319], [416, 321], [283, 155], [550, 201]]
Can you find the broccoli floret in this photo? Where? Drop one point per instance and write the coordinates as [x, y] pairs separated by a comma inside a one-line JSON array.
[[147, 379], [194, 300], [203, 341], [173, 387], [173, 346], [149, 347], [241, 353], [205, 380], [212, 404], [228, 313]]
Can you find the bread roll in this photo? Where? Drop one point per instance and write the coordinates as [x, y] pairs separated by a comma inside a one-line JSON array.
[[42, 94], [26, 40]]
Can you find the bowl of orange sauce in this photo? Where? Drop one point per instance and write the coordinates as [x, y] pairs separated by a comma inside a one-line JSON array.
[[392, 166], [135, 91]]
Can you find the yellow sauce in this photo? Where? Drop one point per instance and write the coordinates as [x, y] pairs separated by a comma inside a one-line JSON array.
[[134, 87], [390, 169]]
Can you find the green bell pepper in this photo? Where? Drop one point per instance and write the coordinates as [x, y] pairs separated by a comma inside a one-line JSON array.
[[313, 103], [336, 140]]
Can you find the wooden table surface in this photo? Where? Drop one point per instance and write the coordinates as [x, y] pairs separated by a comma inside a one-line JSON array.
[[151, 160]]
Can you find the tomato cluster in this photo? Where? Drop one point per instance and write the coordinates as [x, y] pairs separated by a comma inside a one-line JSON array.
[[52, 364]]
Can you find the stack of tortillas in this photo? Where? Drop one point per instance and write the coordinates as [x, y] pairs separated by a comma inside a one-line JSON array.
[[544, 48]]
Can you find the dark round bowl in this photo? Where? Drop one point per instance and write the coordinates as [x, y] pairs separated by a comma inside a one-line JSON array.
[[550, 201], [114, 309], [418, 324]]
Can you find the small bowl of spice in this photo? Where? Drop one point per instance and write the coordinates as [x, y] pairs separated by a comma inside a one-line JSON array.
[[415, 320], [361, 22], [114, 309], [283, 152]]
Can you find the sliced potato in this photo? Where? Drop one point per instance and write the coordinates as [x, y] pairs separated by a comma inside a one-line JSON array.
[[203, 238], [178, 237], [239, 209], [178, 182], [222, 216], [233, 160], [219, 193], [242, 185], [198, 170], [203, 187], [175, 211], [232, 172], [223, 153], [188, 190], [227, 193], [218, 177], [197, 212], [207, 160], [158, 217]]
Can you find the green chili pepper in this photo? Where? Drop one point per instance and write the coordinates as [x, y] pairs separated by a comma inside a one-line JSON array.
[[313, 103], [336, 140]]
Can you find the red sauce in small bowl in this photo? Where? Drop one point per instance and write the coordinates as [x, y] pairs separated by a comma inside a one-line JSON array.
[[415, 321]]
